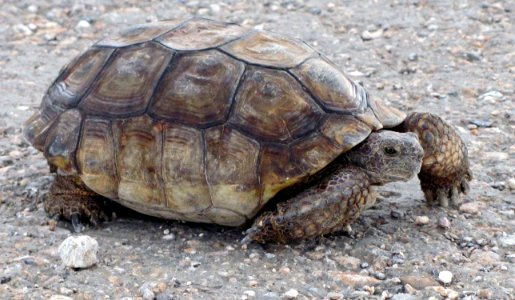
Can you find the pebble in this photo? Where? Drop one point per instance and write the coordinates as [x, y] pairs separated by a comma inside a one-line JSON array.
[[409, 289], [403, 296], [353, 279], [484, 294], [397, 214], [169, 237], [370, 35], [380, 275], [419, 281], [334, 296], [348, 262], [511, 184], [445, 277], [469, 208], [83, 24], [249, 293], [421, 220], [443, 222], [491, 96], [59, 297], [507, 241], [291, 294], [79, 251]]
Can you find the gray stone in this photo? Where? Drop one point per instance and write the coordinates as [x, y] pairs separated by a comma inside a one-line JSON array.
[[79, 252]]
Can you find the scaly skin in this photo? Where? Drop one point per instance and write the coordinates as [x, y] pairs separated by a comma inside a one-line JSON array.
[[318, 210], [339, 198], [445, 172], [69, 199]]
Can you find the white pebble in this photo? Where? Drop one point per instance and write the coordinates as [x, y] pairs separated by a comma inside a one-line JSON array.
[[250, 294], [79, 252], [59, 297], [445, 277], [421, 220], [511, 184], [83, 24], [291, 294]]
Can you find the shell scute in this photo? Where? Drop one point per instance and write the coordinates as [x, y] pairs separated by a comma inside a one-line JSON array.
[[199, 34], [96, 157], [330, 86], [184, 176], [62, 139], [77, 77], [272, 106], [126, 85], [191, 92], [139, 34], [269, 49], [232, 169]]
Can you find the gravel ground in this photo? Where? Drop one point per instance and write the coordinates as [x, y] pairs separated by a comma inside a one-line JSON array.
[[453, 58]]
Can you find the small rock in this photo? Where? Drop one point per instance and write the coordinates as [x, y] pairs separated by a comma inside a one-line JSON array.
[[169, 237], [380, 275], [481, 123], [470, 56], [215, 8], [491, 96], [397, 214], [469, 208], [421, 220], [443, 222], [334, 296], [353, 279], [250, 294], [147, 293], [409, 289], [484, 294], [79, 252], [419, 281], [403, 296], [445, 277], [368, 35], [507, 241], [33, 8], [511, 184], [452, 295], [348, 262], [59, 297], [83, 24], [5, 279], [413, 56], [291, 294]]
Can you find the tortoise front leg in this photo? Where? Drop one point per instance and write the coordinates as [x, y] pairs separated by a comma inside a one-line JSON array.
[[70, 199], [321, 209], [445, 172]]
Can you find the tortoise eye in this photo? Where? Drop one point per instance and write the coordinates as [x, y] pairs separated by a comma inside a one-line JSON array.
[[390, 151]]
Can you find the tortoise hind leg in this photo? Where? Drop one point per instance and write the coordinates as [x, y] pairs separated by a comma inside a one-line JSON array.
[[445, 172], [69, 199], [326, 207]]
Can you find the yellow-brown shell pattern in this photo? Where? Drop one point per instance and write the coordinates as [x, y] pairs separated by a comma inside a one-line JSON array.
[[200, 120]]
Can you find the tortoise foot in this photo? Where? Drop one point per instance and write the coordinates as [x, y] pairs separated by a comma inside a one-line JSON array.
[[68, 199], [445, 172]]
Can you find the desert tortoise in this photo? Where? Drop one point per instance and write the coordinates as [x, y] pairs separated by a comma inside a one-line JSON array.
[[205, 121]]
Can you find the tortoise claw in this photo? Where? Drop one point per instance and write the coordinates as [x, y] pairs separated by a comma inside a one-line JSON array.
[[76, 223]]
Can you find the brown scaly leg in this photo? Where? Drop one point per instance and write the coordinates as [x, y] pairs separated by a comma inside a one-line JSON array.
[[328, 206], [70, 199], [445, 172]]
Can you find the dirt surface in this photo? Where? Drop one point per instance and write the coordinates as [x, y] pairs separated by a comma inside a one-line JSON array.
[[452, 58]]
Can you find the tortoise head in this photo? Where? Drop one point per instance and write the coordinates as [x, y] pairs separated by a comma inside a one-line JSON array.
[[388, 156]]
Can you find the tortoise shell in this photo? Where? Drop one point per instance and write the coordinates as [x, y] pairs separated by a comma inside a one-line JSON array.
[[200, 120]]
